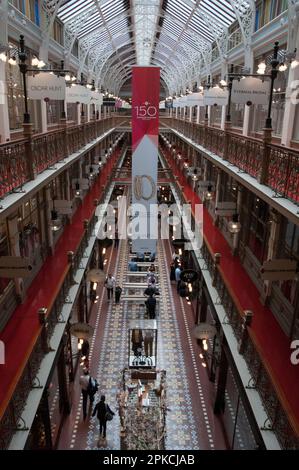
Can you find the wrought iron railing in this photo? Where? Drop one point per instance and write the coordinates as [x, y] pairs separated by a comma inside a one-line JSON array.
[[21, 160], [273, 165]]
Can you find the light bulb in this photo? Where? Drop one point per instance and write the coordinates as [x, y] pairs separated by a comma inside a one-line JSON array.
[[3, 57], [234, 225], [94, 286], [282, 67], [104, 251], [67, 77], [12, 61], [205, 344], [35, 61], [294, 64], [223, 83], [41, 64]]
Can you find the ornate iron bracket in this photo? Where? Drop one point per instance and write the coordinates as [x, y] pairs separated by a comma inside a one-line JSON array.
[[20, 426], [251, 384], [36, 379], [267, 425]]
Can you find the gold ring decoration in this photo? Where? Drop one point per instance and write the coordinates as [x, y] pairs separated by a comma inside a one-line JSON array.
[[138, 187]]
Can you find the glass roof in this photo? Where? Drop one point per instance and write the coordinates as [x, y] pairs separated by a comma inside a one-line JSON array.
[[152, 32]]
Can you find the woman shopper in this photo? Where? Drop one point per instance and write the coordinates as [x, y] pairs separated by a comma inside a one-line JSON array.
[[104, 414]]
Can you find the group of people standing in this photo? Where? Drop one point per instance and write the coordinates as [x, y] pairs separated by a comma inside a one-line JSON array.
[[175, 276]]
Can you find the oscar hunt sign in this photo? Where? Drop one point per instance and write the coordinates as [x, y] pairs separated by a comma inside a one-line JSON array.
[[145, 131]]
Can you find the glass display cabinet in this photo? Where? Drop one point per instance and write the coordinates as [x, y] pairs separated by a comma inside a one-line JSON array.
[[142, 344]]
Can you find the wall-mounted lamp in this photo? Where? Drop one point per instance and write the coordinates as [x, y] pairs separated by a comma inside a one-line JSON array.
[[234, 225]]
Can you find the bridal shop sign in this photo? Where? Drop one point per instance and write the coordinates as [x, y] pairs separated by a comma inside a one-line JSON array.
[[46, 85], [250, 90]]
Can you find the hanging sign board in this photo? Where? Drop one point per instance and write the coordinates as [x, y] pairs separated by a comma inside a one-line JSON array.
[[96, 98], [195, 99], [204, 331], [63, 206], [46, 85], [78, 94], [189, 275], [279, 270], [216, 97], [96, 275], [250, 90], [14, 266], [225, 209], [162, 105], [81, 330]]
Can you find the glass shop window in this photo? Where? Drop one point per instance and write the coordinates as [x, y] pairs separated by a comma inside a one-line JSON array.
[[4, 251], [54, 111], [258, 229], [29, 232], [289, 249]]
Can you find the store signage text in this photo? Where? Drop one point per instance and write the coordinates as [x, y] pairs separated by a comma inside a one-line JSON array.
[[250, 90], [46, 86]]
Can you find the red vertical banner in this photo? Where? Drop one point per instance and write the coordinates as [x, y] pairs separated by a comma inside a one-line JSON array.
[[145, 134]]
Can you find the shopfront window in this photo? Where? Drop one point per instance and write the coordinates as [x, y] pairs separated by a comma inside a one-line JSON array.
[[29, 230], [258, 228], [289, 250], [4, 251]]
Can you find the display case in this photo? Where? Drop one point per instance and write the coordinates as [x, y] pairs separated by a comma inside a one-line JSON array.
[[142, 409], [142, 342]]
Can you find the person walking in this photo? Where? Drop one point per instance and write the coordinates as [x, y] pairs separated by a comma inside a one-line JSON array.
[[178, 277], [151, 306], [116, 239], [104, 414], [172, 273], [85, 384], [110, 284], [118, 291]]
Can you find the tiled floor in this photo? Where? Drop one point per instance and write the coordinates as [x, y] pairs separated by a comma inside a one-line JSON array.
[[190, 422]]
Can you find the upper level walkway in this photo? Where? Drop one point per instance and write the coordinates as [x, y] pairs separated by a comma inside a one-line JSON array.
[[22, 335]]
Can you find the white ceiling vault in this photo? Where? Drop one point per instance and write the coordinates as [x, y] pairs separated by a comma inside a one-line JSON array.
[[176, 35]]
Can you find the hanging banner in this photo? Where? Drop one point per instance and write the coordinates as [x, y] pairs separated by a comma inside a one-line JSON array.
[[250, 90], [46, 85], [145, 132], [195, 99], [216, 97], [78, 94]]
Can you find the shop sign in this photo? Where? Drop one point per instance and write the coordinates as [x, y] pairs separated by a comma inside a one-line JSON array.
[[63, 206], [96, 98], [78, 94], [46, 86], [225, 209], [250, 90], [162, 105], [279, 270], [96, 275], [204, 331], [14, 266], [216, 97], [81, 330], [195, 99], [189, 276]]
